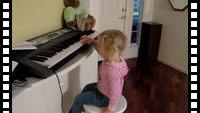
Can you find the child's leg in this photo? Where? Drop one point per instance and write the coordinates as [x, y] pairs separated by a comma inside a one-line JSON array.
[[89, 87], [89, 98]]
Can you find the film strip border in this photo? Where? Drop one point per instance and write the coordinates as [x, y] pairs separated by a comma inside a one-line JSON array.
[[193, 58], [6, 41]]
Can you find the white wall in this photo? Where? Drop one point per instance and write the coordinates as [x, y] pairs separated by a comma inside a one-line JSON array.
[[94, 10], [173, 45], [147, 14]]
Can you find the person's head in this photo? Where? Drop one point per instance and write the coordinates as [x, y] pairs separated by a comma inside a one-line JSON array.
[[72, 3], [112, 43], [89, 23]]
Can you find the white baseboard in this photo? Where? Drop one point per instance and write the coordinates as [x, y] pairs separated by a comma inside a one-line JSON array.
[[175, 66]]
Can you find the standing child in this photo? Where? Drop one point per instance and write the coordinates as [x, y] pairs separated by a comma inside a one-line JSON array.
[[107, 92]]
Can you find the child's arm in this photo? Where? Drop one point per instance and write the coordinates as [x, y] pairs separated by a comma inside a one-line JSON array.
[[96, 45], [115, 92], [87, 40]]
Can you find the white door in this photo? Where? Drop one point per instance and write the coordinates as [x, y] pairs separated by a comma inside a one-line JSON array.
[[112, 15]]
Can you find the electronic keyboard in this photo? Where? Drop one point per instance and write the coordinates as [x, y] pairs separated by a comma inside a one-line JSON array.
[[54, 49]]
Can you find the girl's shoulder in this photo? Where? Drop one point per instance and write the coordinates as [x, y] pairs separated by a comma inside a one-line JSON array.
[[118, 69]]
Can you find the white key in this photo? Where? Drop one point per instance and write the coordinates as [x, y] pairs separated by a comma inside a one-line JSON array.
[[61, 55]]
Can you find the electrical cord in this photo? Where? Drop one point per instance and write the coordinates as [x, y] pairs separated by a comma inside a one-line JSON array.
[[60, 92]]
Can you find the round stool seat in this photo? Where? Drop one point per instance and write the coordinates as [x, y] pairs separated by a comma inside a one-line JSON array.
[[93, 109]]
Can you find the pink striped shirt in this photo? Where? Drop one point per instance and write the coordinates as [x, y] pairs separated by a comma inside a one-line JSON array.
[[111, 80]]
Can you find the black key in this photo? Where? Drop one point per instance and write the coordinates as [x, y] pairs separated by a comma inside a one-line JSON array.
[[37, 58], [53, 49], [45, 55], [66, 44], [62, 45], [58, 49], [73, 41], [49, 52]]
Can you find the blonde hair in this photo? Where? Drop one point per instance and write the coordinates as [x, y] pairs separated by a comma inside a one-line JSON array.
[[112, 43]]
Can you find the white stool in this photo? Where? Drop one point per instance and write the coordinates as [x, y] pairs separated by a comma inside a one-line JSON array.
[[93, 109]]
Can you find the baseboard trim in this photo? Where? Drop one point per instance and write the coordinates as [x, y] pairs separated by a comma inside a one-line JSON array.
[[179, 68]]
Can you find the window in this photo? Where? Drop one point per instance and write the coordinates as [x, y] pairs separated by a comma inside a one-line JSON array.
[[136, 23]]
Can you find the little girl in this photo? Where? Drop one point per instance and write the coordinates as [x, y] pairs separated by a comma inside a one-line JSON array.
[[107, 92]]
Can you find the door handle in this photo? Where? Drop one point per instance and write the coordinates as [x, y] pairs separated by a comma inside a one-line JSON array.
[[122, 17]]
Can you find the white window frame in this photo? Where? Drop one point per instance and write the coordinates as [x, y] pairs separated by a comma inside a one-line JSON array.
[[140, 25]]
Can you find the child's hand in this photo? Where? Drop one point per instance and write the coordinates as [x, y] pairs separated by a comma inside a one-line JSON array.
[[105, 110], [86, 40]]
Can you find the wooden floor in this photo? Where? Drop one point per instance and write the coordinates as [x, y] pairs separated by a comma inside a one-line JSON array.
[[160, 89]]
